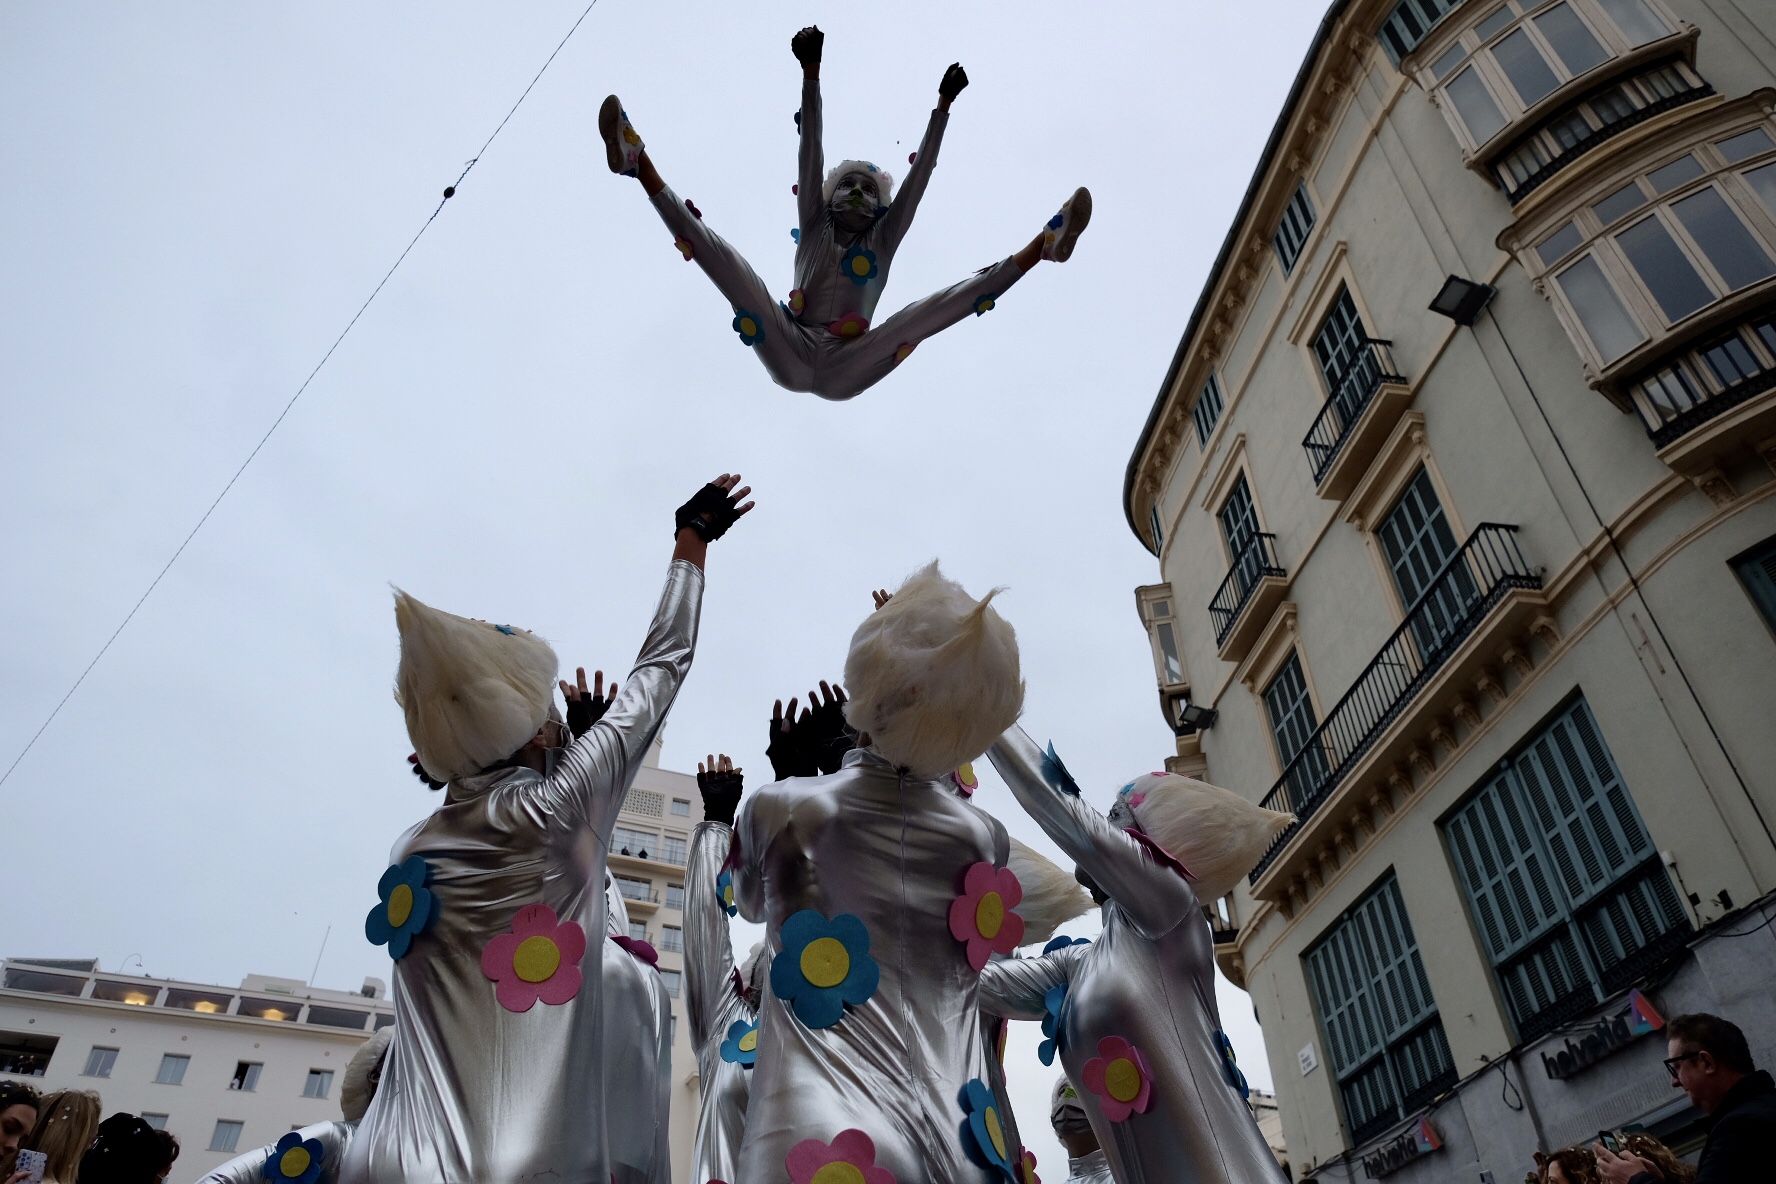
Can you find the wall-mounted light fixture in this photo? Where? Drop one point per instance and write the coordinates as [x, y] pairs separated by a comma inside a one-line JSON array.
[[1461, 300]]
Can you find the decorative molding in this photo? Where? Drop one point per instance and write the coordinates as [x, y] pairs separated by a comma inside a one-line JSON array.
[[1517, 660], [1272, 647], [1422, 760], [1487, 685], [1405, 446], [1467, 712], [1223, 479], [1546, 628], [1715, 484]]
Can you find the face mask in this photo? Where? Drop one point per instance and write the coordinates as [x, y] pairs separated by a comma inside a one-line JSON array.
[[852, 206]]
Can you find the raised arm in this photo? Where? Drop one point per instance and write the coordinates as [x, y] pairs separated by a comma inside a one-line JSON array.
[[811, 156], [709, 952], [250, 1168], [899, 218], [1154, 898], [1016, 988]]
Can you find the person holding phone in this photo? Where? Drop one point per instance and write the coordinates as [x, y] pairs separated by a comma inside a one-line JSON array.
[[66, 1124]]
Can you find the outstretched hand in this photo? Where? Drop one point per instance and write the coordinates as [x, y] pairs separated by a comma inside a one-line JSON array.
[[807, 44], [881, 596], [714, 508], [586, 707], [955, 81], [788, 749], [827, 736], [719, 782]]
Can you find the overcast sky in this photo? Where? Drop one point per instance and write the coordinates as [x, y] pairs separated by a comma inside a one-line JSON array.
[[196, 198]]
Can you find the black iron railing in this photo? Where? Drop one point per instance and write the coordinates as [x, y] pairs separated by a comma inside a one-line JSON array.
[[1373, 365], [1706, 381], [1536, 175], [1452, 605], [1256, 560]]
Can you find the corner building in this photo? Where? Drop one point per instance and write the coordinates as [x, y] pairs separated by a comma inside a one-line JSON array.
[[1462, 482]]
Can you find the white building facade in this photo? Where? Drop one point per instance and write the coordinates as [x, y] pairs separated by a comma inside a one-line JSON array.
[[1462, 484]]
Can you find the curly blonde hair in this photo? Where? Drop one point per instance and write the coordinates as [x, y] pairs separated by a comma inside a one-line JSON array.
[[1673, 1169]]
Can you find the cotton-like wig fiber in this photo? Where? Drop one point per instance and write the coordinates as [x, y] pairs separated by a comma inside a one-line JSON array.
[[355, 1091], [933, 676], [884, 182], [749, 969], [472, 693], [1217, 835], [1052, 897]]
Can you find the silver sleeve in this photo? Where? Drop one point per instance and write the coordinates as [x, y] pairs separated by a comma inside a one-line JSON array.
[[1014, 988], [899, 218], [709, 951]]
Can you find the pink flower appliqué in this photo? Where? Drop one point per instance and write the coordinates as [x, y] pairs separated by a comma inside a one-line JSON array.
[[814, 1162], [538, 959], [963, 778], [1120, 1078], [850, 325], [982, 918], [684, 247]]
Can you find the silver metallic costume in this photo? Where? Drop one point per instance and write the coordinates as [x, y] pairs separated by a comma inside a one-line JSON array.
[[831, 347], [334, 1138], [715, 1002], [867, 1021], [473, 1090], [1092, 1168], [637, 1057], [1148, 980]]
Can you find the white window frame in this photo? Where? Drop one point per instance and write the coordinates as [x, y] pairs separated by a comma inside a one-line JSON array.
[[233, 1127], [326, 1082]]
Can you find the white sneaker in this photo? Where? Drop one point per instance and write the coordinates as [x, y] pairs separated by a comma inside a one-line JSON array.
[[622, 146], [1064, 228]]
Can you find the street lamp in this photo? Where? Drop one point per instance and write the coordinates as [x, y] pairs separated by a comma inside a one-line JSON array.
[[1461, 300]]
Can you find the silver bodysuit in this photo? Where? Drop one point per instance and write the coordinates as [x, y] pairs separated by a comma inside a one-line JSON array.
[[1148, 980], [868, 1019], [832, 347], [334, 1138], [715, 1003], [1089, 1169], [471, 1089], [637, 1057]]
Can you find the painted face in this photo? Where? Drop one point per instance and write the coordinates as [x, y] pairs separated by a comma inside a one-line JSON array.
[[856, 201]]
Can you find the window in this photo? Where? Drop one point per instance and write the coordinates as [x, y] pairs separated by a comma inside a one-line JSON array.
[[1171, 670], [227, 1135], [1381, 1027], [246, 1076], [1207, 411], [1293, 723], [1562, 880], [1407, 25], [675, 896], [626, 840], [673, 849], [319, 1083], [681, 808], [99, 1062], [1417, 541], [672, 979], [1238, 518], [672, 939], [1347, 364], [638, 931], [1292, 230], [172, 1069], [157, 1121], [1154, 529], [1757, 571], [633, 889], [1601, 312], [26, 1054]]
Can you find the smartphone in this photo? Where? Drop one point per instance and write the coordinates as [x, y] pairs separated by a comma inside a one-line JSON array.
[[1610, 1141], [33, 1162]]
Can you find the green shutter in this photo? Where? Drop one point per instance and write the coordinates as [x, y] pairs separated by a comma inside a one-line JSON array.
[[1757, 570]]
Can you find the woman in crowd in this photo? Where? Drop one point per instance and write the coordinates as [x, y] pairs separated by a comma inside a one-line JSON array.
[[66, 1124]]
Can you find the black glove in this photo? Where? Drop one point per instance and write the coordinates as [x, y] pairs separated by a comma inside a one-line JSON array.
[[586, 710], [955, 80], [710, 512], [721, 796], [828, 737], [788, 749], [419, 772], [807, 44]]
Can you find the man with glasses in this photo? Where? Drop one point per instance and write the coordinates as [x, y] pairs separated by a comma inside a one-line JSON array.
[[1711, 1062]]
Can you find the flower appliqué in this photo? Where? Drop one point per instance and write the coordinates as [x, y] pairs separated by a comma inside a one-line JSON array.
[[859, 265], [724, 892], [982, 917], [798, 300], [1230, 1065], [850, 325], [963, 778], [903, 351], [406, 907], [741, 1046], [824, 964], [750, 328], [1026, 1167], [294, 1160], [1062, 941], [1055, 773], [695, 212], [641, 951], [1120, 1077], [983, 1130], [849, 1159], [684, 247], [795, 235], [539, 959], [1054, 1015], [985, 304]]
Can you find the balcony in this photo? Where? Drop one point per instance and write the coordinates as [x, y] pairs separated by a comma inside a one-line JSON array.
[[1712, 399], [1350, 428], [1252, 588], [1483, 591]]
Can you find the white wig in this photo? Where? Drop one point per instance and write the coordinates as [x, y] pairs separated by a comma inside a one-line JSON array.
[[616, 913], [473, 693], [884, 181], [1052, 897], [355, 1091], [1217, 835], [933, 675], [750, 968]]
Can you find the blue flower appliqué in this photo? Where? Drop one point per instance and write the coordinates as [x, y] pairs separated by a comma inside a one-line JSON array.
[[859, 265], [1055, 773], [1230, 1065], [985, 304], [406, 907], [1054, 223], [294, 1160], [983, 1130], [507, 630], [823, 966], [1054, 1006], [750, 328], [724, 892], [741, 1047], [1062, 941]]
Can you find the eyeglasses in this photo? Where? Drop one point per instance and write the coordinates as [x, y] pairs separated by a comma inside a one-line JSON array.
[[1671, 1063]]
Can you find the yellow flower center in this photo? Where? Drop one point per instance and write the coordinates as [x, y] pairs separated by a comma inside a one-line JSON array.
[[995, 1132], [295, 1161], [1122, 1077], [748, 326], [989, 915], [825, 962], [750, 1041], [400, 905], [964, 773], [728, 894], [537, 959], [837, 1173], [859, 265]]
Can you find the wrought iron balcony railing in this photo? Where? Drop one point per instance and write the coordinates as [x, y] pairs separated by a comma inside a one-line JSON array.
[[1708, 380], [1256, 560], [1372, 366], [1445, 614]]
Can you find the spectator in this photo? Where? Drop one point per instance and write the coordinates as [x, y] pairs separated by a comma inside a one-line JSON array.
[[1570, 1165], [18, 1113], [169, 1152], [1670, 1168], [1086, 1163], [66, 1122], [1711, 1062], [126, 1151]]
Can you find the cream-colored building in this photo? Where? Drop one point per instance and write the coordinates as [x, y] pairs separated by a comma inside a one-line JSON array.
[[1462, 482], [231, 1069]]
